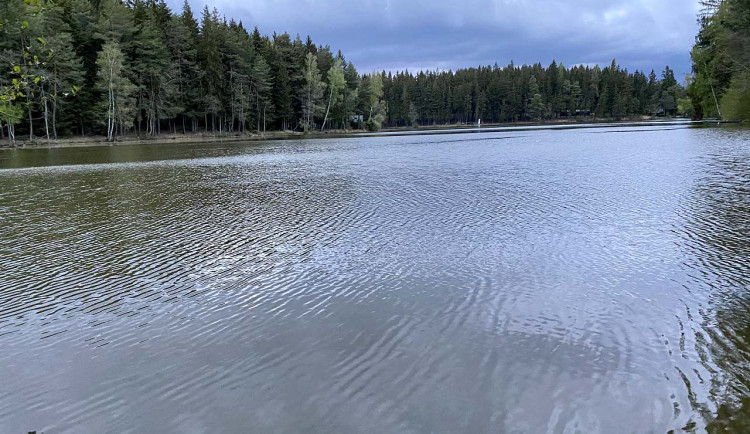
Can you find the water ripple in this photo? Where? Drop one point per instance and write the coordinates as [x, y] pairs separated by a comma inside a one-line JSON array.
[[549, 281]]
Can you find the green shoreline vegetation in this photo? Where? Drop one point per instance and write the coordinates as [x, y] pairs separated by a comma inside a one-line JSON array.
[[134, 69], [720, 87], [271, 135]]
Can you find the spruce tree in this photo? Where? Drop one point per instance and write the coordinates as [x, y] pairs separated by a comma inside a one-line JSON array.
[[535, 109]]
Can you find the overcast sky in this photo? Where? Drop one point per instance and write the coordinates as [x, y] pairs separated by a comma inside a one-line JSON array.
[[442, 34]]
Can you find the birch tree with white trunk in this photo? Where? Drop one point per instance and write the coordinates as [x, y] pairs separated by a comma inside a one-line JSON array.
[[336, 85]]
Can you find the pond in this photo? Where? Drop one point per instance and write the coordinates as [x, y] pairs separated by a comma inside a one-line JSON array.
[[553, 280]]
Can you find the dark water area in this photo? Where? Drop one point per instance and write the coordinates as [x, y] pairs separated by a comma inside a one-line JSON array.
[[578, 280]]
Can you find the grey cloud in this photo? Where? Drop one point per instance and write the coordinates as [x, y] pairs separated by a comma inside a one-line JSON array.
[[430, 34]]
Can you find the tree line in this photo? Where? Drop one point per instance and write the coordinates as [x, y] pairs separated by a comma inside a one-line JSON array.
[[721, 61], [529, 92], [114, 67]]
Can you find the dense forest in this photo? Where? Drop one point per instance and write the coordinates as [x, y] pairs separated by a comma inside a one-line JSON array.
[[721, 61], [115, 68], [513, 93]]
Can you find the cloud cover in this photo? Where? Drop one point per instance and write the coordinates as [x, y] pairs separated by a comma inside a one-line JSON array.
[[441, 34]]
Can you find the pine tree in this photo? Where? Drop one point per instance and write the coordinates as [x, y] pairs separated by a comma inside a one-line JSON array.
[[65, 68], [282, 95], [150, 70], [238, 61], [182, 39], [262, 87], [210, 54], [535, 109]]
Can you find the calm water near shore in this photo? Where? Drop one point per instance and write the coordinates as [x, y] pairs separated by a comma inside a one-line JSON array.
[[577, 280]]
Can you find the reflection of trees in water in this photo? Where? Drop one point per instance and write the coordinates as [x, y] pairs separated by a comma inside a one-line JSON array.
[[718, 240], [132, 235]]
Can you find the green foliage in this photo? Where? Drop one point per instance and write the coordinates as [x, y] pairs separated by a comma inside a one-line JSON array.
[[261, 81], [529, 92], [721, 61], [374, 91], [685, 108], [118, 90], [373, 125], [735, 103], [176, 72], [413, 114], [10, 113], [375, 104], [535, 109], [336, 81], [336, 86], [282, 94], [311, 93]]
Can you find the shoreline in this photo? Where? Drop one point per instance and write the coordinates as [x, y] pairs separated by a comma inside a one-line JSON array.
[[199, 138]]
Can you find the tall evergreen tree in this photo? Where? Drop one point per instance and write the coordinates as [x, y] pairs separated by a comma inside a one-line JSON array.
[[535, 108], [282, 93], [64, 66], [262, 91], [182, 39]]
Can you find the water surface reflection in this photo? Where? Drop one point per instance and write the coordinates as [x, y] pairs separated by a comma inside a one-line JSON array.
[[525, 281]]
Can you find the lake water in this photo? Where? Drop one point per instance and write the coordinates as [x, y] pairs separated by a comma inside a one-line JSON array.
[[581, 280]]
